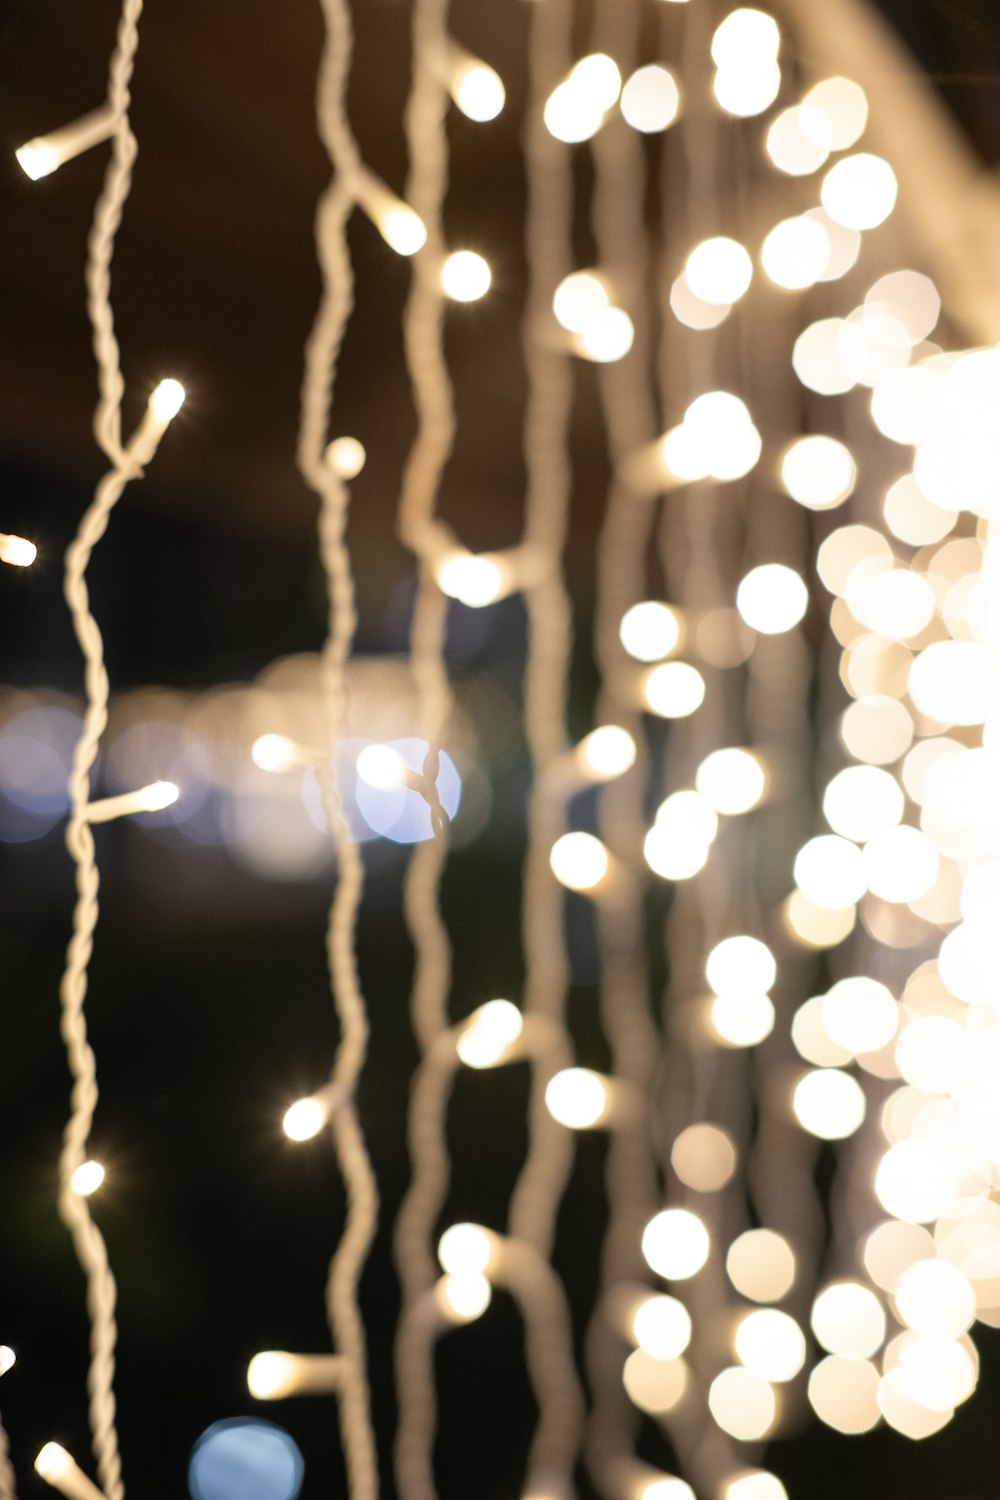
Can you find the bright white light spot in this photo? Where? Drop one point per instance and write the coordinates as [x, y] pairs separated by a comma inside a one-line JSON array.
[[848, 1319], [488, 1034], [844, 1394], [741, 966], [741, 1020], [901, 864], [817, 359], [704, 1158], [732, 780], [791, 148], [346, 456], [87, 1178], [650, 630], [860, 191], [917, 1180], [692, 311], [761, 1265], [936, 1372], [719, 271], [829, 1104], [830, 872], [933, 1296], [796, 253], [662, 1327], [273, 752], [772, 598], [381, 767], [466, 276], [166, 400], [578, 298], [747, 91], [305, 1119], [464, 1295], [675, 1244], [674, 690], [746, 37], [818, 472], [17, 551], [577, 1098], [742, 1403], [654, 1385], [861, 801], [859, 1015], [474, 581], [835, 112], [607, 336], [754, 1484], [651, 99], [465, 1248], [771, 1344], [478, 91], [579, 861], [402, 229]]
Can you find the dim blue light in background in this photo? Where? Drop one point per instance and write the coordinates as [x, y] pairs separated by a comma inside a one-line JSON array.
[[243, 1458]]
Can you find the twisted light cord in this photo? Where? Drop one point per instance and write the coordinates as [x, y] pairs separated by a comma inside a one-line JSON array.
[[8, 1482], [322, 350]]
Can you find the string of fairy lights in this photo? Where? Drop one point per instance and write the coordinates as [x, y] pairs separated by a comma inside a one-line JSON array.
[[898, 1056]]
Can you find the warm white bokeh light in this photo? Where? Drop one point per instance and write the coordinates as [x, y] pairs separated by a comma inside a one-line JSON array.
[[761, 1265], [848, 1319], [796, 253], [465, 276], [607, 336], [578, 298], [87, 1178], [861, 801], [489, 1033], [830, 872], [860, 191], [829, 1104], [772, 598], [346, 456], [577, 1098], [662, 1327], [835, 113], [579, 861], [818, 472], [732, 780], [719, 270], [844, 1394], [305, 1118], [742, 1403], [650, 100], [674, 690], [704, 1157], [675, 1244], [650, 630], [465, 1248], [771, 1344], [740, 966]]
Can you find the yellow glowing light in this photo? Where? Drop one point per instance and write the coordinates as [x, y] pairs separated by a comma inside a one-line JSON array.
[[877, 729], [674, 690], [912, 298], [740, 966], [87, 1178], [598, 77], [904, 1414], [662, 1327], [489, 1033], [665, 1489], [579, 861], [917, 1180], [274, 752], [654, 1385], [675, 857], [741, 1020], [835, 113], [651, 100], [742, 1403], [901, 864], [746, 91], [754, 1484], [691, 310], [474, 581], [811, 1039], [829, 1104], [381, 767], [400, 226], [844, 1394], [704, 1158], [937, 1372], [8, 1359], [346, 456], [935, 1297], [463, 1296], [650, 630], [305, 1118], [860, 191], [465, 276], [796, 253], [39, 157], [955, 682], [771, 1344], [578, 1098], [848, 1319], [818, 472], [607, 336], [17, 551], [271, 1375], [830, 872], [891, 1248], [719, 436], [675, 1244], [859, 1015], [745, 37], [772, 598], [815, 928], [761, 1265], [862, 801], [465, 1249], [790, 146], [719, 270], [477, 89], [570, 116], [912, 517], [54, 1463], [577, 299], [732, 780], [166, 400], [818, 360]]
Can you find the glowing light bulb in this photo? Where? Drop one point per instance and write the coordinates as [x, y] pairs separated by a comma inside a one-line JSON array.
[[935, 1297], [732, 780], [346, 456], [818, 358], [691, 310], [761, 1265], [720, 435], [466, 276], [818, 472], [474, 581], [579, 861], [791, 148], [748, 91], [745, 36], [597, 76], [835, 111], [704, 1158], [829, 1104], [382, 767], [39, 157], [662, 1327], [844, 1393], [830, 872], [273, 1375], [466, 1248], [650, 630], [859, 1015], [577, 1098], [901, 864], [274, 752], [166, 400], [607, 336], [771, 1344], [917, 1180], [796, 253], [489, 1034], [674, 690], [719, 270], [87, 1178], [675, 1244], [400, 226], [607, 752], [665, 1489], [772, 598], [152, 798], [17, 551], [754, 1484], [305, 1118], [860, 191], [571, 116], [578, 298], [463, 1296], [937, 1372], [742, 1403], [476, 88], [741, 966], [861, 801], [8, 1359], [654, 1385], [651, 100], [848, 1319], [741, 1020]]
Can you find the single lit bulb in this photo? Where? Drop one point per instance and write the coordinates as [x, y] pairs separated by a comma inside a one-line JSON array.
[[577, 1098], [489, 1033], [675, 690], [466, 276], [346, 456], [607, 336], [465, 1248], [719, 270], [745, 37], [400, 226], [382, 767], [651, 99], [166, 400], [598, 77], [848, 1319], [835, 112], [579, 861], [478, 90], [741, 966], [829, 1104], [772, 598], [37, 159], [578, 298], [17, 551], [608, 752], [819, 472], [742, 1403], [305, 1118], [746, 91], [771, 1344], [662, 1327], [464, 1296], [675, 1244], [732, 780], [271, 1375], [860, 191], [273, 752], [87, 1178], [650, 630], [796, 253], [473, 581]]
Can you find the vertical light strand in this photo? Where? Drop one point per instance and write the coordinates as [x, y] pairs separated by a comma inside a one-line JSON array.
[[8, 1482], [632, 1186], [74, 1208], [322, 350]]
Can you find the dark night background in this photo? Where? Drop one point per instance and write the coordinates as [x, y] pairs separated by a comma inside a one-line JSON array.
[[209, 1003]]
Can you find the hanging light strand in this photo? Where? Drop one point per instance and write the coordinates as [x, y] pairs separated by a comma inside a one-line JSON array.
[[8, 1482]]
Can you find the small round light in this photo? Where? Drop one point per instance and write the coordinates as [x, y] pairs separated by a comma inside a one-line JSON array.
[[675, 1244], [772, 598], [465, 276]]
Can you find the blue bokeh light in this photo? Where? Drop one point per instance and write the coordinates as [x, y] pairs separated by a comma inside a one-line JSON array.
[[36, 751], [401, 814], [244, 1458]]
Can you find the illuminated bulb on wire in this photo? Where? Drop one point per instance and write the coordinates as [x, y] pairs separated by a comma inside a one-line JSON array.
[[465, 1249], [674, 690], [346, 456], [607, 336], [578, 298], [650, 99], [274, 752], [675, 1244], [667, 1488], [597, 75], [579, 861], [8, 1359], [41, 156], [650, 630], [754, 1484], [304, 1119], [744, 92], [835, 112], [742, 1403], [830, 872], [152, 798], [772, 598], [400, 226], [771, 1344], [473, 581], [724, 441], [489, 1033], [662, 1327], [829, 1104], [848, 1319], [719, 270], [607, 752], [791, 148], [465, 276], [463, 1296], [17, 551], [761, 1265], [860, 191], [274, 1374], [476, 88], [818, 472], [732, 780], [796, 253], [166, 401], [382, 767], [87, 1178], [744, 38], [59, 1469], [578, 1098]]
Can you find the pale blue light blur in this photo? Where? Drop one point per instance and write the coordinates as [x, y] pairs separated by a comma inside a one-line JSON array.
[[36, 753], [401, 814], [347, 780], [160, 750], [244, 1458]]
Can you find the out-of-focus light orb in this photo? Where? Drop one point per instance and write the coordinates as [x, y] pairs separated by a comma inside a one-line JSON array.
[[654, 1385], [683, 456], [608, 751], [933, 1296], [578, 298], [860, 191], [465, 1249], [923, 1049], [597, 75], [957, 470], [836, 112], [273, 752], [971, 388], [381, 767], [608, 336], [818, 472], [346, 456], [761, 1265], [817, 358], [796, 253], [304, 1119], [666, 1489], [848, 1319], [955, 682], [674, 690], [473, 581], [248, 1457], [877, 729], [891, 1248], [650, 630], [905, 404], [844, 1393], [815, 928], [662, 1326], [673, 856], [860, 801], [937, 1372], [754, 1484], [771, 1344], [846, 548], [579, 861], [790, 148], [466, 276], [741, 1020], [830, 872], [917, 1180], [675, 1244], [905, 1415], [772, 598], [745, 37], [722, 437], [688, 814], [845, 245], [741, 966], [901, 864], [742, 1403], [489, 1032], [829, 1104], [479, 92], [744, 92], [732, 780], [87, 1178], [693, 311], [577, 1098], [704, 1158], [811, 1039], [464, 1296], [719, 270], [651, 100], [572, 114], [898, 604], [402, 228], [859, 1014], [912, 298]]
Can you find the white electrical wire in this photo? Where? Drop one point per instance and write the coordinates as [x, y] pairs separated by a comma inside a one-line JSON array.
[[8, 1482]]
